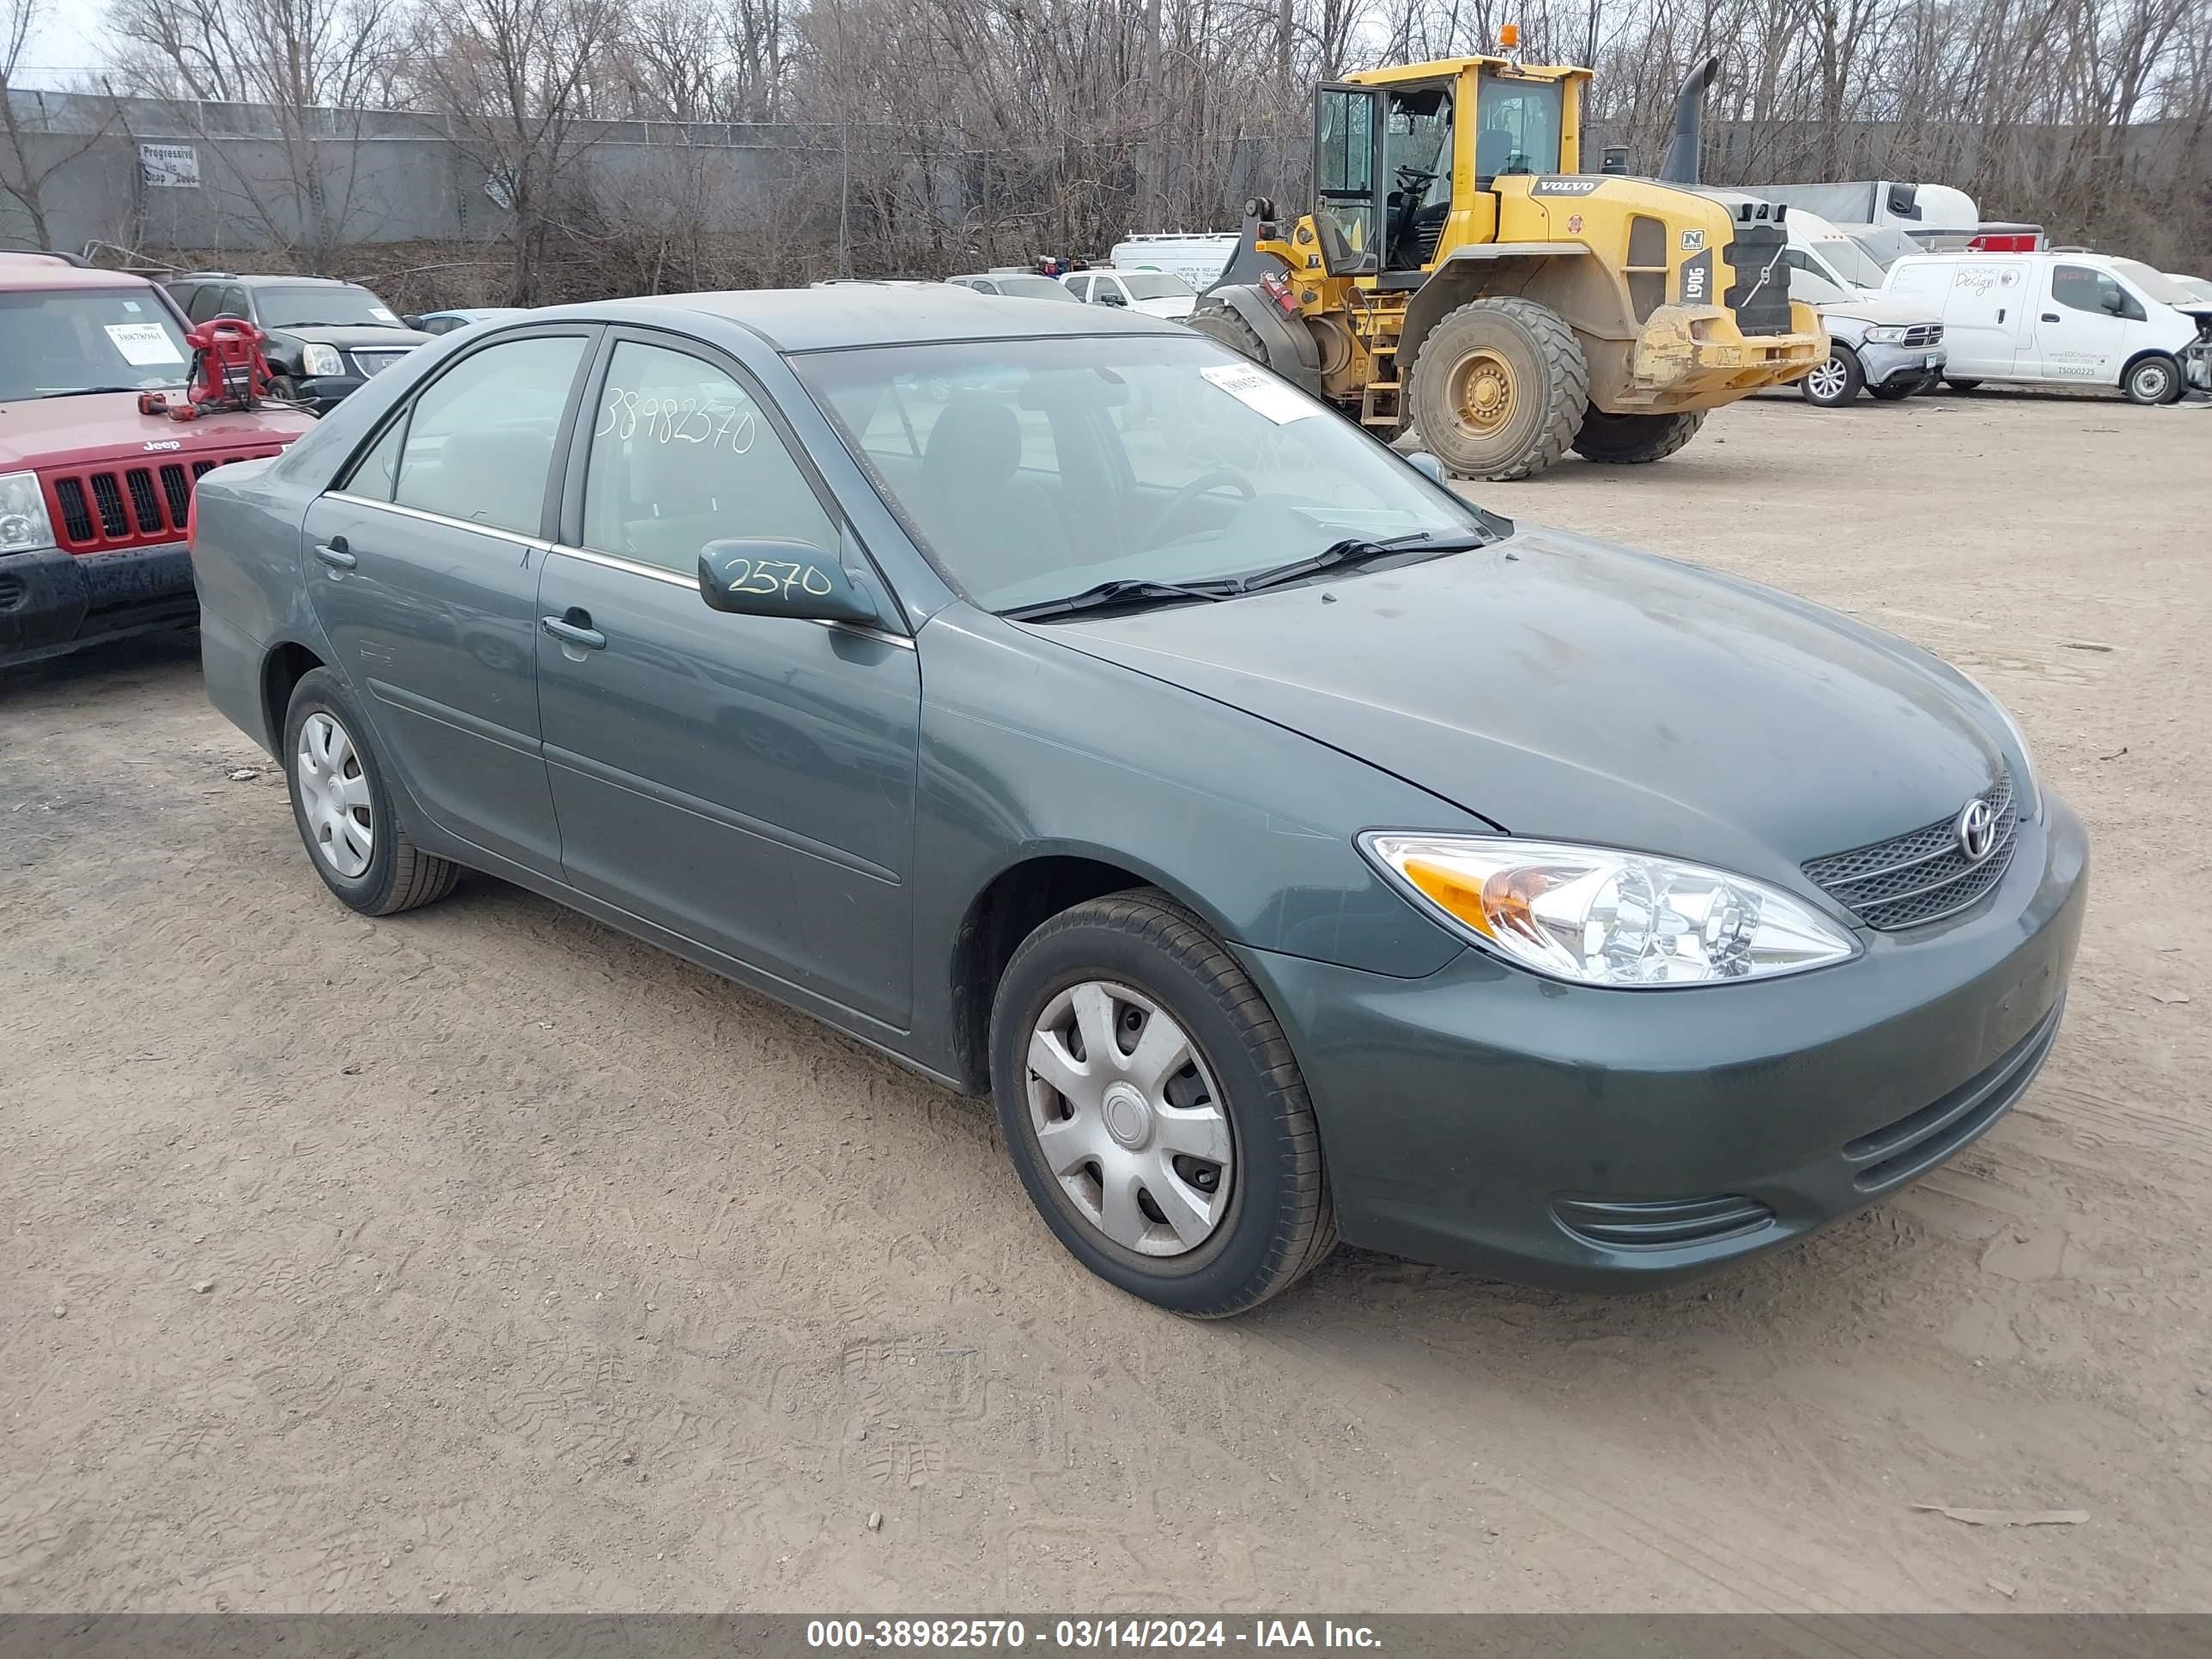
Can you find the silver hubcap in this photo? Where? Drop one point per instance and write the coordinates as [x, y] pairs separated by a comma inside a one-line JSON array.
[[334, 796], [1128, 1119], [2150, 380], [1828, 379]]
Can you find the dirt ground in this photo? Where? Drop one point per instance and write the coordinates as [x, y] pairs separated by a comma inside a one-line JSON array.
[[483, 1259]]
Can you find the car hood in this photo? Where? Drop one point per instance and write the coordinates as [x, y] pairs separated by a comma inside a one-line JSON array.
[[346, 339], [1879, 309], [43, 432], [1563, 687]]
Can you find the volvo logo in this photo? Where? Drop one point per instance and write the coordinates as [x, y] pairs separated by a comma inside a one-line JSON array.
[[1978, 830]]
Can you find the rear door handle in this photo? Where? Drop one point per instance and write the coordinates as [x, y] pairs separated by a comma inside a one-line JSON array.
[[335, 554], [2050, 316], [576, 628]]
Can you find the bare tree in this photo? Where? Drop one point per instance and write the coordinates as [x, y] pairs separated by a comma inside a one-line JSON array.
[[31, 152]]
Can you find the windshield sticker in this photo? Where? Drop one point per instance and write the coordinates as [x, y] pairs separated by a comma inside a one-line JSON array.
[[1257, 389], [142, 346], [381, 314]]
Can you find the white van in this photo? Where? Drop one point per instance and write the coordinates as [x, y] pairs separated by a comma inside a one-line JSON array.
[[2063, 319], [1199, 258]]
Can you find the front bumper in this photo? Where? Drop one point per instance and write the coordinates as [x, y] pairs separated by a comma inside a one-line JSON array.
[[52, 602], [1690, 357], [1595, 1140], [324, 393], [1883, 363]]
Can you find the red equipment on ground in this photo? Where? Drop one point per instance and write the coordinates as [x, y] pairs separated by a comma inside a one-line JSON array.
[[228, 373]]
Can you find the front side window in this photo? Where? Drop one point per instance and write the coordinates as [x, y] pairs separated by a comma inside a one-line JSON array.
[[1032, 469], [2080, 288], [682, 455], [1108, 292], [337, 304], [59, 344], [479, 444], [1157, 285], [1517, 126]]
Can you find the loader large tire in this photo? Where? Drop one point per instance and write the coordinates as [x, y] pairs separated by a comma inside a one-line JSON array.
[[1499, 387], [1221, 325], [1632, 440]]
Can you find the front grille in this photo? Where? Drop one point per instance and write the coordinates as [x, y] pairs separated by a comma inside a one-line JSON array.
[[1925, 1138], [1760, 298], [1660, 1223], [94, 508], [1921, 876], [375, 362], [1924, 334]]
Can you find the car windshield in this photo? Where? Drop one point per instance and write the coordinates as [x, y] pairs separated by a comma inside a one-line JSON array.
[[1849, 260], [1156, 285], [1037, 469], [87, 340], [1032, 288], [339, 306], [2155, 283]]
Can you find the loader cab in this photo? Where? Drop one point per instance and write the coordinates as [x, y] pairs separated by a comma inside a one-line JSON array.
[[1406, 159]]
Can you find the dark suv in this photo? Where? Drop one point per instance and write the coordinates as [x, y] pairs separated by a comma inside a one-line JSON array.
[[325, 337]]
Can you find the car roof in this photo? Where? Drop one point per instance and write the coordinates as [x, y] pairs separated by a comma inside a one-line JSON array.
[[866, 314], [50, 271], [262, 279]]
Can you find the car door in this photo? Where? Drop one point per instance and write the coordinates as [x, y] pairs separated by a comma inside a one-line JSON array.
[[1107, 290], [2082, 325], [1983, 306], [746, 782], [424, 566]]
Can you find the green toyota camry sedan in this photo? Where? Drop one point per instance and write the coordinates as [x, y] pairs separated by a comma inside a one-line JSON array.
[[1055, 701]]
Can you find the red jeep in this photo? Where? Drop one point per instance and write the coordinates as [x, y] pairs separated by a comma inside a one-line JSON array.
[[93, 495]]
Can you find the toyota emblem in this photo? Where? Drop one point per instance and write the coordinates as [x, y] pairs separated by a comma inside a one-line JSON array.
[[1978, 830]]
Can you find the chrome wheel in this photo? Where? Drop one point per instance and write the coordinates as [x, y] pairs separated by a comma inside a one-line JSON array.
[[1128, 1119], [334, 796], [1828, 380]]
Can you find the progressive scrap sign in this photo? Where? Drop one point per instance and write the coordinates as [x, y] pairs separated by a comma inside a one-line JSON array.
[[169, 166]]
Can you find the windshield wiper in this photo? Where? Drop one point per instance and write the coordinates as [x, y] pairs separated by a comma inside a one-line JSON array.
[[1358, 549], [1123, 593]]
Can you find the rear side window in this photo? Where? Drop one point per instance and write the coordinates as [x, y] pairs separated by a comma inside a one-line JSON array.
[[479, 444], [682, 455]]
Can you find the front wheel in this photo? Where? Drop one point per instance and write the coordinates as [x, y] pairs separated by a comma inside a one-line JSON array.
[[1154, 1110], [1221, 325], [1499, 389], [1834, 383], [2152, 379], [285, 388], [1632, 440]]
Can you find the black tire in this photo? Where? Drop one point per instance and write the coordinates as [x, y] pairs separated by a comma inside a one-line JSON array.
[[1279, 1224], [1218, 323], [400, 875], [1545, 384], [1895, 392], [1961, 386], [283, 386], [1839, 379], [1632, 440], [2153, 378]]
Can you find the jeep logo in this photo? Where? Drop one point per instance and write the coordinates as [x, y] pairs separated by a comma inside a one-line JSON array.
[[163, 443]]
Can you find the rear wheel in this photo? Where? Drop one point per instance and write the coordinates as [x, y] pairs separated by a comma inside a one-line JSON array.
[[1154, 1111], [344, 812], [2152, 379], [1632, 440], [1962, 386], [1834, 383], [1499, 389]]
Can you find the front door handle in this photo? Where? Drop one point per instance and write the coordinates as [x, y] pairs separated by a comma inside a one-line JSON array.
[[2050, 316], [576, 628], [335, 554]]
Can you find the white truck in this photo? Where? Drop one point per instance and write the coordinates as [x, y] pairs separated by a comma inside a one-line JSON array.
[[1197, 257], [2063, 319]]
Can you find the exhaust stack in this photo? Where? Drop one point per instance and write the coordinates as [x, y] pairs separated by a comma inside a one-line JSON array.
[[1681, 165]]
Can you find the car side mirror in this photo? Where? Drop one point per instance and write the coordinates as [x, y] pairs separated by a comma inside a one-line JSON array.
[[762, 578], [1427, 465], [2112, 300]]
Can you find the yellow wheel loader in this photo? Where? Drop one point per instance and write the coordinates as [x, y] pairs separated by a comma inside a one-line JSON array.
[[1461, 273]]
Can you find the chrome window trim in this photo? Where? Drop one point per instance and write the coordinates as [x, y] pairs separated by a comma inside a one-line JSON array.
[[498, 532], [638, 567]]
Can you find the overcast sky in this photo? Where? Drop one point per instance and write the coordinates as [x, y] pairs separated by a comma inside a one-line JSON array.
[[63, 46]]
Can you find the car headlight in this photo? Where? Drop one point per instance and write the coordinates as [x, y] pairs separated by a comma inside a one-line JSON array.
[[321, 360], [1598, 917], [1887, 335], [24, 525]]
